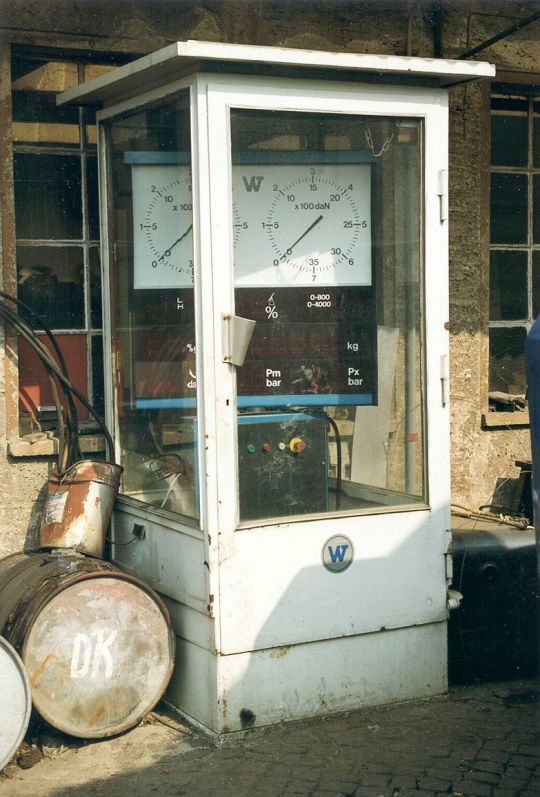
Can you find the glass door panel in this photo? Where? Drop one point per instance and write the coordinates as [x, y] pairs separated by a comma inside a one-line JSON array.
[[327, 226], [153, 330]]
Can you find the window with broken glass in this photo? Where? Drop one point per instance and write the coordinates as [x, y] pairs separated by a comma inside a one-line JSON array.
[[514, 257], [57, 228]]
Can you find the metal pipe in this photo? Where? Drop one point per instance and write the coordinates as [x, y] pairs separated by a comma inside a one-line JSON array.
[[502, 35], [436, 27]]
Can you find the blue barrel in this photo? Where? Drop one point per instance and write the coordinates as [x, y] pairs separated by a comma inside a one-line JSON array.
[[532, 361]]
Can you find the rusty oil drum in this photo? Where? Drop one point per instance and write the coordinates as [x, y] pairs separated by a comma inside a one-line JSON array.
[[96, 643]]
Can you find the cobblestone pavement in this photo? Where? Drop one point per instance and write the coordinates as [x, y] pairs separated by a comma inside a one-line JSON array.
[[479, 740]]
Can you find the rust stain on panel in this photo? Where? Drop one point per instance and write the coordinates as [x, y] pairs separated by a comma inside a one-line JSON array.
[[34, 678], [97, 715], [278, 653], [224, 706]]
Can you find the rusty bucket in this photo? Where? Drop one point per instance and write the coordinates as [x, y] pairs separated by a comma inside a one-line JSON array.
[[97, 644], [79, 505]]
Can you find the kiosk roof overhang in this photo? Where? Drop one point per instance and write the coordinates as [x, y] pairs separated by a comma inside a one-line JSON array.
[[183, 58]]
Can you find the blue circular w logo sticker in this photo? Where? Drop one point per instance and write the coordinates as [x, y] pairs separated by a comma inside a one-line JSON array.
[[337, 553]]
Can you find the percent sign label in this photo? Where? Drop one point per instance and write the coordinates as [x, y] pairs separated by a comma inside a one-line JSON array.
[[270, 309]]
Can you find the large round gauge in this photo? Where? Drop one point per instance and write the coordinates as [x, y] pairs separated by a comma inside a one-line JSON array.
[[304, 224], [162, 226], [314, 225]]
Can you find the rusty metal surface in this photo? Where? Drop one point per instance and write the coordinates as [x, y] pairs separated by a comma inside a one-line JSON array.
[[97, 644], [79, 506], [28, 580]]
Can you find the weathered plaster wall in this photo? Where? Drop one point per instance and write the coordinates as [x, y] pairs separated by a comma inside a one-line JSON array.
[[20, 481], [143, 25], [480, 458], [483, 469]]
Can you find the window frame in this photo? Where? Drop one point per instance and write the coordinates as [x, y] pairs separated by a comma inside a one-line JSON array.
[[43, 443], [518, 84]]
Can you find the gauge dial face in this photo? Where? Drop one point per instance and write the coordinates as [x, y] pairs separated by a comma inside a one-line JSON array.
[[162, 226], [304, 225]]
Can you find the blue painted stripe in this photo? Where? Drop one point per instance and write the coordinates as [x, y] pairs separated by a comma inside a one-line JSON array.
[[307, 400], [245, 158], [165, 158], [165, 404], [292, 400], [301, 156]]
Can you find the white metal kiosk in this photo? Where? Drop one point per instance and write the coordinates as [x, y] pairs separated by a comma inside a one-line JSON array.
[[286, 483]]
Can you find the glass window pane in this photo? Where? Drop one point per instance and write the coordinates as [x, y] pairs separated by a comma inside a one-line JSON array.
[[95, 287], [35, 393], [92, 71], [509, 102], [508, 285], [92, 197], [536, 284], [536, 208], [36, 117], [153, 310], [536, 135], [31, 74], [51, 281], [48, 202], [98, 390], [90, 128], [507, 360], [509, 140], [328, 361], [508, 208]]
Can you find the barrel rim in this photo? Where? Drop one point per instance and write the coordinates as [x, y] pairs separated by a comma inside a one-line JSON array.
[[8, 648], [75, 578]]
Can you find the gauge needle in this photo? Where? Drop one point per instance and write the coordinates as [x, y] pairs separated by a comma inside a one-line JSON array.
[[291, 247], [167, 252]]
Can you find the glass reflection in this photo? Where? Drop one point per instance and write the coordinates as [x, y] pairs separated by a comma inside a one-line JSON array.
[[153, 308], [326, 228]]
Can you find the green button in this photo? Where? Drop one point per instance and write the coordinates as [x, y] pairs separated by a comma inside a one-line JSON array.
[[251, 448]]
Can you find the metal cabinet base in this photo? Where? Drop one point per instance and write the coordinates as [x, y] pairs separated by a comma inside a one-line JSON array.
[[224, 694]]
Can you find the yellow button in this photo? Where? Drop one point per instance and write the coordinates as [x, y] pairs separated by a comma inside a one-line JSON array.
[[297, 445]]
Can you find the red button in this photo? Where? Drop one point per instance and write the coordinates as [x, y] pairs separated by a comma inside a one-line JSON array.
[[267, 447]]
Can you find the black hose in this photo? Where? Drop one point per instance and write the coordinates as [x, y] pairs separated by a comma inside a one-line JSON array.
[[71, 431], [41, 325], [68, 446], [71, 444], [59, 369], [339, 464]]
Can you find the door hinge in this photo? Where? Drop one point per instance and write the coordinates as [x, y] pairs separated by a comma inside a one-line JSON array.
[[449, 566], [443, 195], [445, 380]]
